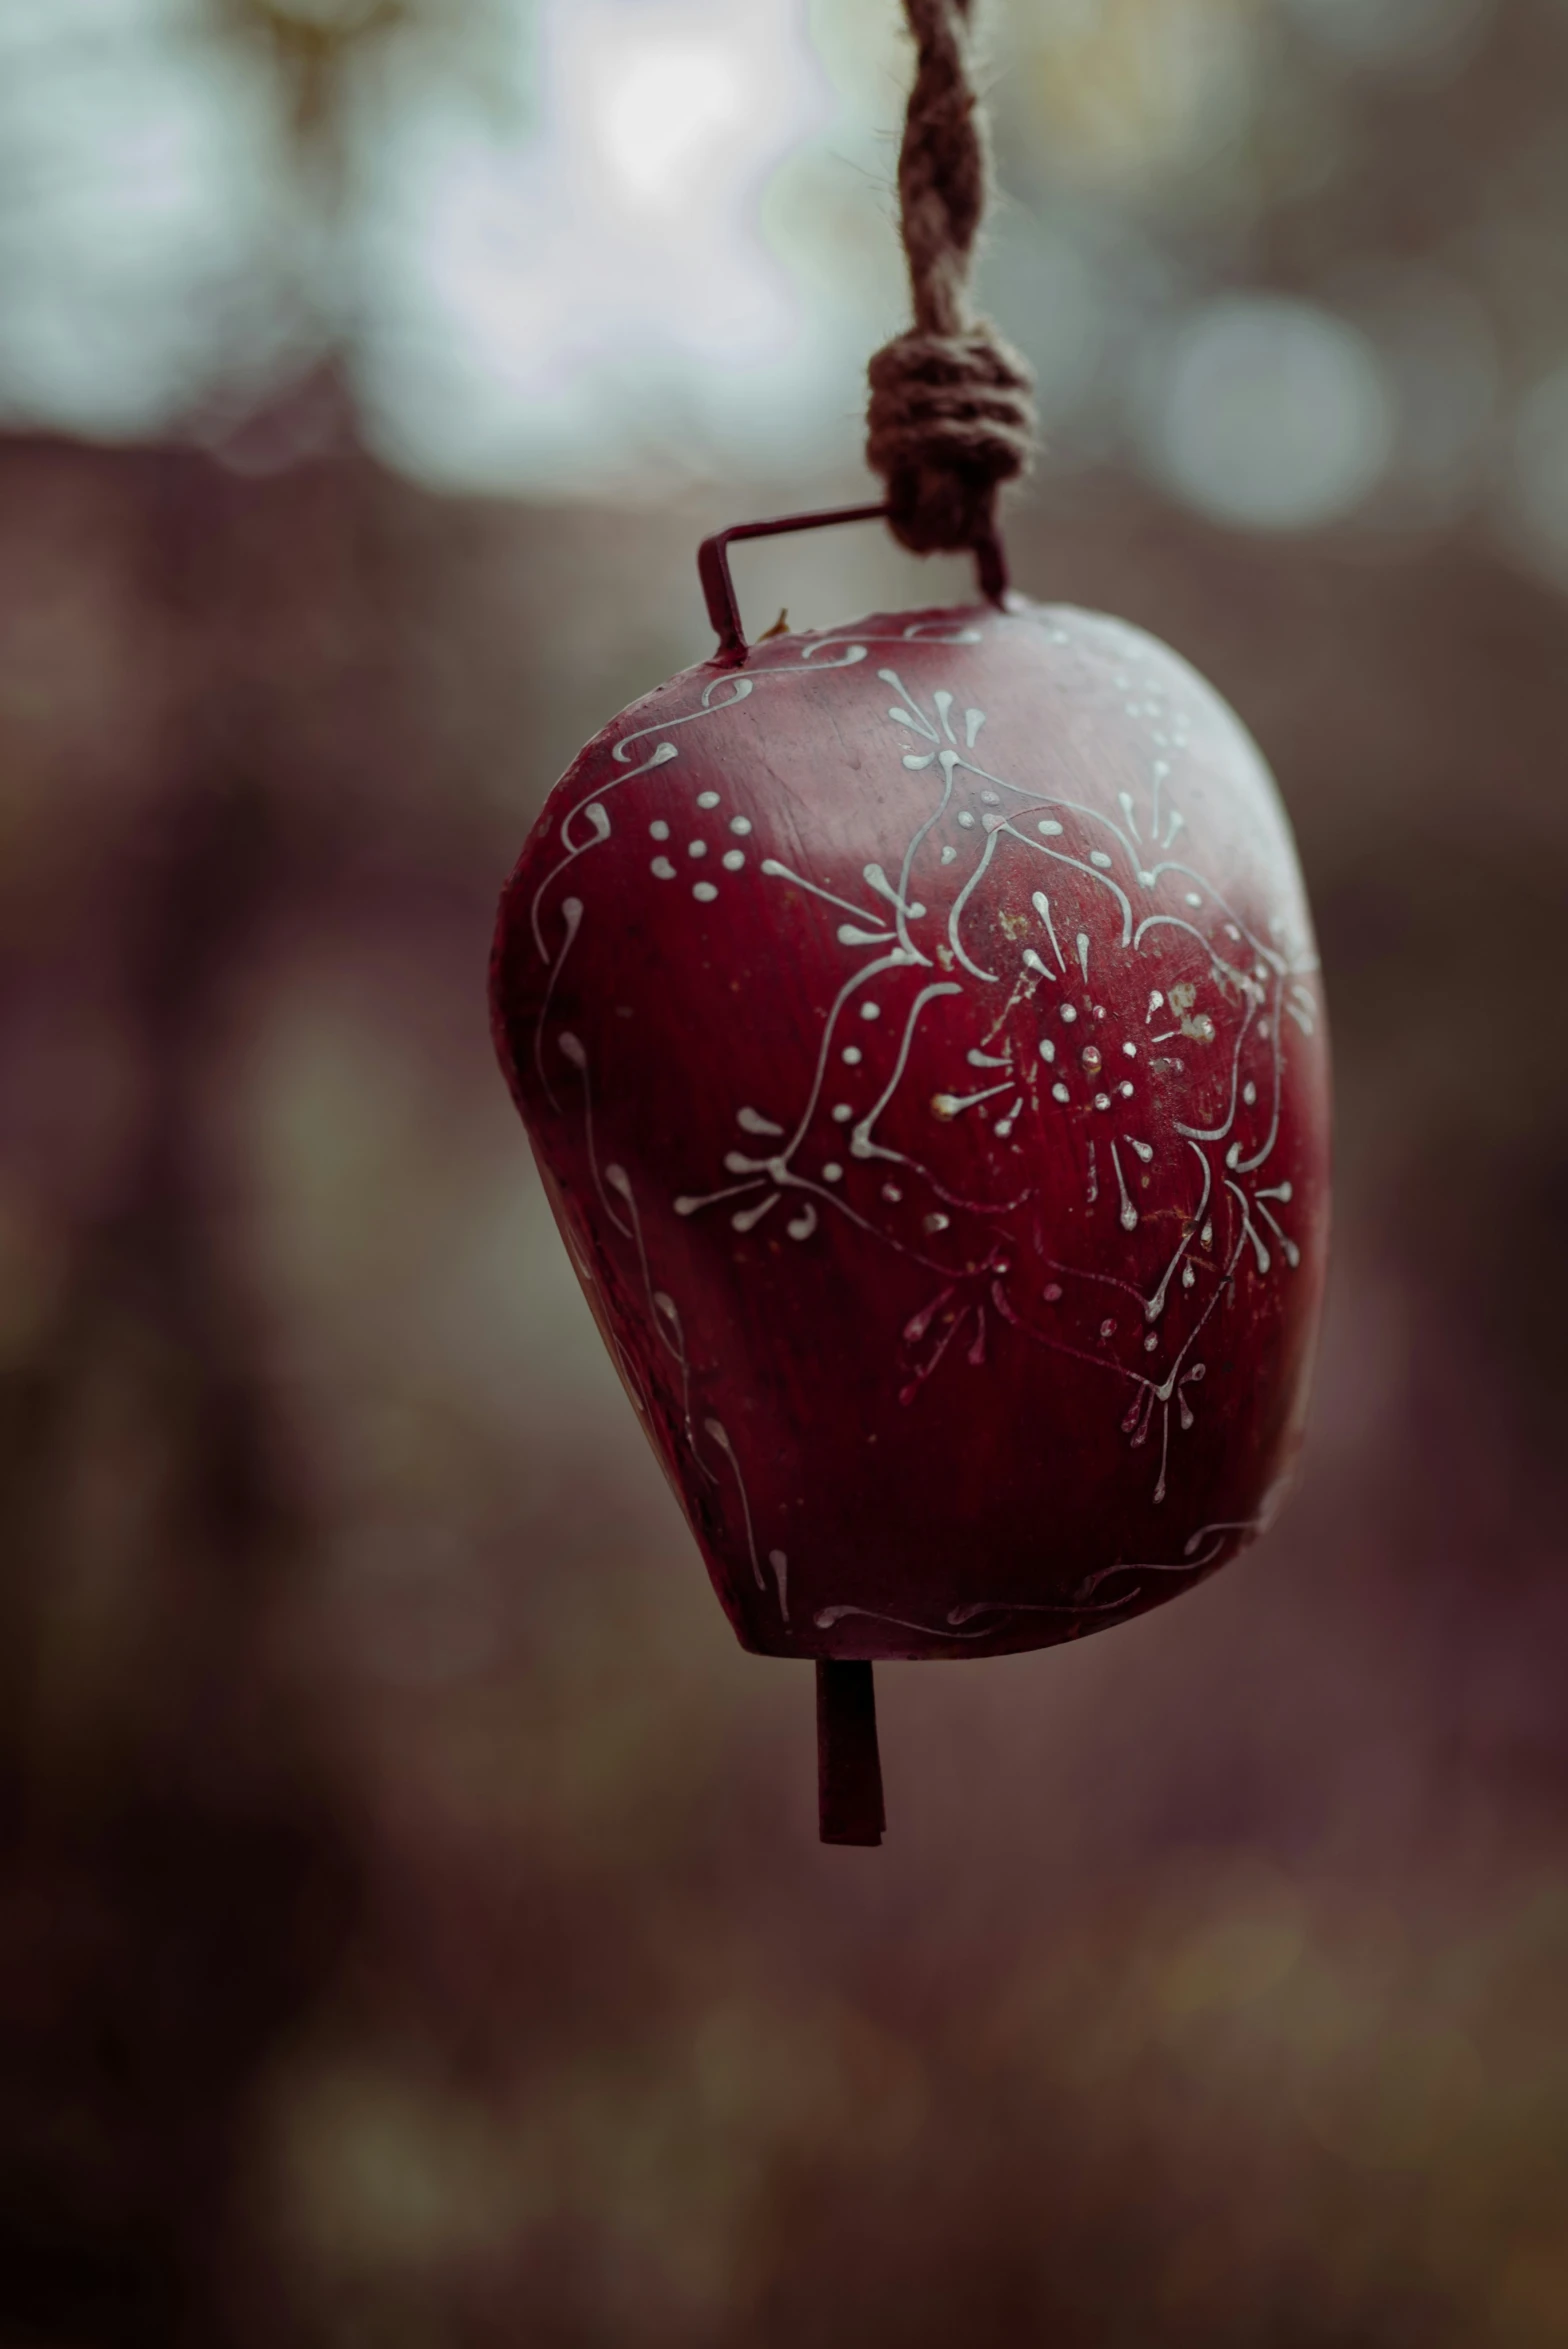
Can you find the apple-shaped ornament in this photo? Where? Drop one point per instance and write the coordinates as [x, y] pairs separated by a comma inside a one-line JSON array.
[[918, 1028]]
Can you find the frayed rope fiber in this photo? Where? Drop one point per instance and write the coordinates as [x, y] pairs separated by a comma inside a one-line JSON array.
[[951, 414]]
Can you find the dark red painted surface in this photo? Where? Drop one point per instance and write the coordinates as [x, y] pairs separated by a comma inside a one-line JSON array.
[[919, 1030]]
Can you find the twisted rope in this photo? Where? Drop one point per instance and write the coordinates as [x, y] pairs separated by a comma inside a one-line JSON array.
[[951, 413]]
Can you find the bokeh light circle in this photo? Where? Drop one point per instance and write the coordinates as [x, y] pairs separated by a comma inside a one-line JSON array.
[[1267, 413]]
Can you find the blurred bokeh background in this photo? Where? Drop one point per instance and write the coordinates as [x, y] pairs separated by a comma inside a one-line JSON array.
[[412, 1929]]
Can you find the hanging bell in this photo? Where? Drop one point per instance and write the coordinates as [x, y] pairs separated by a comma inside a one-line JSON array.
[[918, 1027]]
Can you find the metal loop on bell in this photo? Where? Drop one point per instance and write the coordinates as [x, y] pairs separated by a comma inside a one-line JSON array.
[[713, 569]]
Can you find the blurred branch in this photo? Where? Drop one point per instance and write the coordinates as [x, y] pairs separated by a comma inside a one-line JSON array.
[[319, 48]]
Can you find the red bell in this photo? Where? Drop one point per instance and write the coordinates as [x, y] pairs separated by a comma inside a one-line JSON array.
[[918, 1028]]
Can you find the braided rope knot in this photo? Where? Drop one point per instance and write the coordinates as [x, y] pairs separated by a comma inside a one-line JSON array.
[[951, 414], [951, 417]]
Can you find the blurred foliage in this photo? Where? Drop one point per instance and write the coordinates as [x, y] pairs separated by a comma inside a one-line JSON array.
[[208, 202]]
